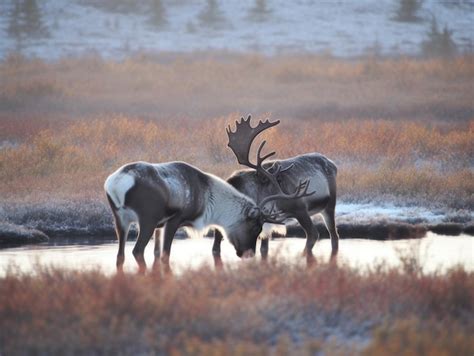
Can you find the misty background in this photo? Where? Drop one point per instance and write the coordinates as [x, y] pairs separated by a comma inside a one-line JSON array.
[[52, 29]]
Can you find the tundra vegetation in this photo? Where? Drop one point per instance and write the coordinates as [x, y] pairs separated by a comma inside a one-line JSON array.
[[395, 127], [400, 130], [251, 308]]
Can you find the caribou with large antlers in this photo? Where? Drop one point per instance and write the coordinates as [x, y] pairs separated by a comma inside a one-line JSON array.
[[176, 194], [265, 179]]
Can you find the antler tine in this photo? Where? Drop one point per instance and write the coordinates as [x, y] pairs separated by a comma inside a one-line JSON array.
[[270, 176], [241, 140], [275, 217], [276, 169], [276, 220], [268, 211], [272, 210], [260, 159], [300, 192], [302, 185]]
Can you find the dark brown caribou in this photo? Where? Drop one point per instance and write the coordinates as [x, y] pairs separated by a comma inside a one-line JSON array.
[[262, 180]]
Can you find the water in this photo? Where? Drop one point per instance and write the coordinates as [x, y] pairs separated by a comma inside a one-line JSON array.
[[434, 252]]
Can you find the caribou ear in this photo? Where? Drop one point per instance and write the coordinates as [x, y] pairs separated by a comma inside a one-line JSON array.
[[253, 213]]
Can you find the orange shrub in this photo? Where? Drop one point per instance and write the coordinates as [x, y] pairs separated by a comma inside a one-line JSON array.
[[404, 159]]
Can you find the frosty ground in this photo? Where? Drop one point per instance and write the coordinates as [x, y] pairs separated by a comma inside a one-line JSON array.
[[346, 29], [33, 222]]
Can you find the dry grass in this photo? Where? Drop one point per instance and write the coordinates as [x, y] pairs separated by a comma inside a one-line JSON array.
[[412, 337], [201, 85], [251, 308], [413, 161], [395, 127]]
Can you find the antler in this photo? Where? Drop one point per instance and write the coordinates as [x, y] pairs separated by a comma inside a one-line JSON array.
[[274, 216], [241, 140], [300, 192]]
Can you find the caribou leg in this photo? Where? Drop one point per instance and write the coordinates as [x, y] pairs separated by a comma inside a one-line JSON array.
[[264, 248], [329, 219], [216, 249], [122, 227], [312, 234], [157, 250], [146, 231], [330, 222], [170, 230], [122, 237]]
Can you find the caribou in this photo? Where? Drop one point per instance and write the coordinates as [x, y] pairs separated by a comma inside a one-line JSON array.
[[176, 194], [262, 180]]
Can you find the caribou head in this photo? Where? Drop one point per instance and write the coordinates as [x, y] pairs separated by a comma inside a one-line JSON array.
[[240, 142]]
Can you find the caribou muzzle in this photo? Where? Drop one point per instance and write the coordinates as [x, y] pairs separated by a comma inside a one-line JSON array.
[[246, 254]]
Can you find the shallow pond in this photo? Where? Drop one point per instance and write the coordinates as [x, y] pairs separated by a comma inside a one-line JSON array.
[[434, 252]]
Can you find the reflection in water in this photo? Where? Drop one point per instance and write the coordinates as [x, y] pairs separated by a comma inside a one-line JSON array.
[[433, 252]]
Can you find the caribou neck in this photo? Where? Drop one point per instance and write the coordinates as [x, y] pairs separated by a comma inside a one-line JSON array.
[[225, 206]]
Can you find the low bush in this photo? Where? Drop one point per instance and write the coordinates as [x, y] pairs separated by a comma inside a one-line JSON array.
[[250, 307]]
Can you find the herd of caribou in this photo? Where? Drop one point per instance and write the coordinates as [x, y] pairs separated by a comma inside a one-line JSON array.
[[252, 202]]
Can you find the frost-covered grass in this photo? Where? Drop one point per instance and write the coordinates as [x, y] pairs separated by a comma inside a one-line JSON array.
[[57, 217], [12, 235], [348, 29], [251, 308]]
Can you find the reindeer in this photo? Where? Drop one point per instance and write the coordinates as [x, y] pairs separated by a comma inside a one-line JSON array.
[[279, 176], [175, 194]]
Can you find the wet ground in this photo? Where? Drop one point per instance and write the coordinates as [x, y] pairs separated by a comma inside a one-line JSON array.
[[434, 252]]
